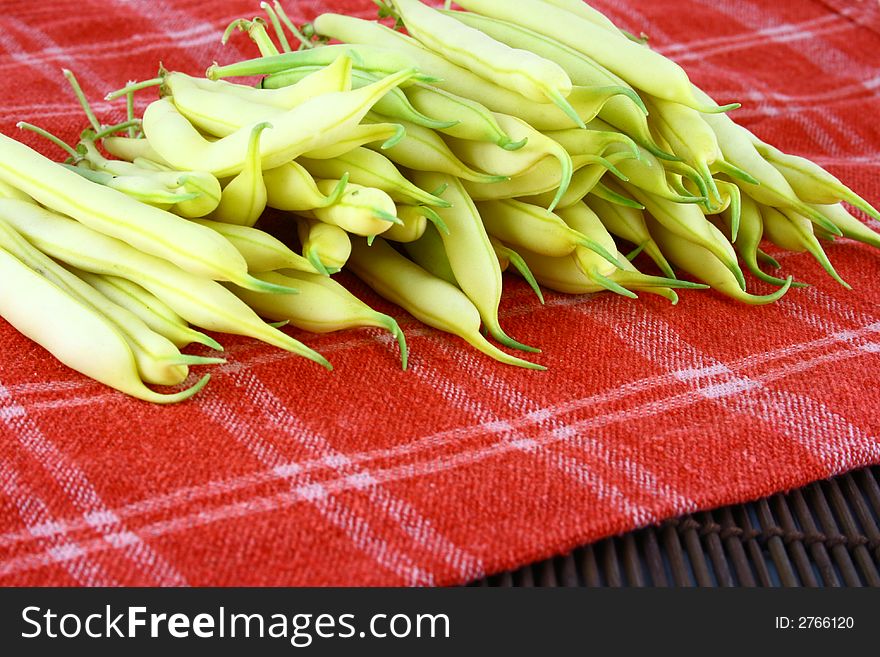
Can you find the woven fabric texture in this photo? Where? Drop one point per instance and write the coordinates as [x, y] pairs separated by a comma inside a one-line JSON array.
[[280, 473]]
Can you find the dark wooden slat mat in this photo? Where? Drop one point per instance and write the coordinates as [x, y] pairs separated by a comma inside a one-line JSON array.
[[825, 534]]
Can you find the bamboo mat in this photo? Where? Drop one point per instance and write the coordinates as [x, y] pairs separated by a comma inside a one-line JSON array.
[[825, 534]]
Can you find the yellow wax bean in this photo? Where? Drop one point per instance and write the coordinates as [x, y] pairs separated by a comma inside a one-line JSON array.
[[326, 246], [319, 80], [152, 311], [619, 103], [414, 223], [596, 140], [322, 306], [449, 76], [214, 112], [794, 232], [705, 266], [8, 191], [394, 104], [199, 300], [507, 257], [423, 150], [243, 199], [314, 124], [371, 169], [597, 268], [380, 61], [749, 235], [810, 182], [567, 275], [362, 210], [158, 360], [530, 75], [589, 170], [470, 119], [150, 230], [290, 187], [429, 253], [138, 153], [639, 66], [491, 157], [629, 224], [689, 223], [261, 251], [848, 224], [429, 299], [86, 342], [772, 189], [532, 227], [470, 252], [689, 136], [385, 134]]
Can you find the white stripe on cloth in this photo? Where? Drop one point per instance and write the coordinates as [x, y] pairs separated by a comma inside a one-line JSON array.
[[573, 468], [364, 538], [42, 527], [83, 495], [818, 52], [457, 436], [827, 435], [780, 31], [273, 503]]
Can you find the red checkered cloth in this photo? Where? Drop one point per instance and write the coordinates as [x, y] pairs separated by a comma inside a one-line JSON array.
[[281, 473]]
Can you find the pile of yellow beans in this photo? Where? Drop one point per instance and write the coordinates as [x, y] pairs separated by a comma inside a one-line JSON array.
[[533, 136]]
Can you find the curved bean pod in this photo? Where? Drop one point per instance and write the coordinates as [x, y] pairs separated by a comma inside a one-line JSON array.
[[566, 275], [532, 227], [376, 60], [158, 359], [322, 306], [507, 257], [772, 189], [471, 119], [794, 232], [290, 187], [629, 224], [470, 252], [810, 182], [530, 75], [449, 77], [429, 299], [702, 264], [316, 123], [421, 149], [326, 246], [152, 231], [490, 157], [152, 311], [371, 169], [365, 211], [261, 251], [414, 222], [429, 253], [639, 66], [386, 135], [848, 224], [689, 223], [315, 81], [394, 104], [198, 300], [243, 199], [89, 343]]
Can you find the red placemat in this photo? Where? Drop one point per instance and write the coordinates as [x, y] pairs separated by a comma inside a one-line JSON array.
[[280, 473]]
